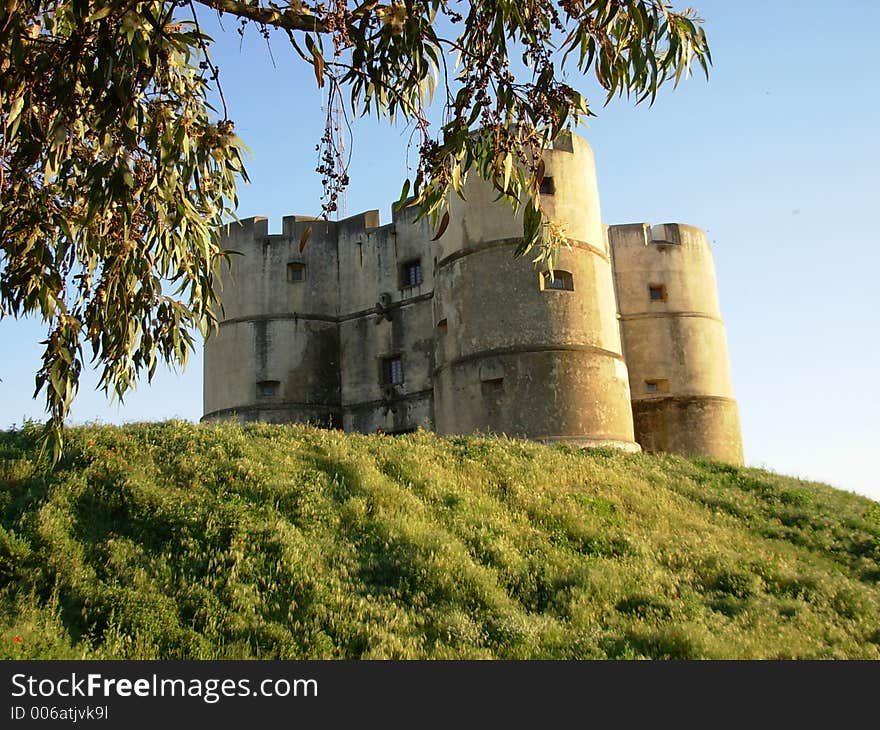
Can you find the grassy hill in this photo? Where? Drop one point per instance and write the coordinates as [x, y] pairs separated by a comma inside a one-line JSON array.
[[172, 540]]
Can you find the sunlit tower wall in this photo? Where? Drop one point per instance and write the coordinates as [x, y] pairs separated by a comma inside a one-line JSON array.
[[674, 341], [515, 352], [275, 357]]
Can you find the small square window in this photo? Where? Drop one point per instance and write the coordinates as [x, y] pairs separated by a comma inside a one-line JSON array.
[[548, 187], [411, 274], [657, 386], [657, 292], [267, 388], [560, 280], [492, 389], [296, 272], [392, 370]]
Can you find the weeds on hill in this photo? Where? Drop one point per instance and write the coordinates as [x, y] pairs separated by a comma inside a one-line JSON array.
[[178, 541]]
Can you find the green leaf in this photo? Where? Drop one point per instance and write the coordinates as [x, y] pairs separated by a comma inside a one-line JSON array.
[[15, 109], [100, 13], [532, 220], [508, 169], [317, 60], [456, 179], [404, 193], [441, 229]]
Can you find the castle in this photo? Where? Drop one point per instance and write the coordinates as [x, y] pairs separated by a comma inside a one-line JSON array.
[[375, 327]]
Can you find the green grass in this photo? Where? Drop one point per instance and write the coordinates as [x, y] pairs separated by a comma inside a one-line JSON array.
[[176, 541]]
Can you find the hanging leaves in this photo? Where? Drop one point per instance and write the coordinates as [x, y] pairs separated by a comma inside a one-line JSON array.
[[115, 181]]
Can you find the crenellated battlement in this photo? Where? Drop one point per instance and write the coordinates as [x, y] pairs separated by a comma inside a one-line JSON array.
[[661, 234], [293, 226]]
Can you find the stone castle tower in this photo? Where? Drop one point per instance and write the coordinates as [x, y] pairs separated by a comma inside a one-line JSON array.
[[377, 328]]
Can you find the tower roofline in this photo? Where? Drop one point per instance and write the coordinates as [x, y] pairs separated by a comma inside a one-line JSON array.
[[663, 234]]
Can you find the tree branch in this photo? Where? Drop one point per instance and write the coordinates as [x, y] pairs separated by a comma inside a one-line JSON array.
[[288, 18]]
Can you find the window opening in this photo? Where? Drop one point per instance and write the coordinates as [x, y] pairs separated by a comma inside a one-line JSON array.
[[392, 370], [296, 272], [548, 187], [560, 281], [267, 388], [411, 274]]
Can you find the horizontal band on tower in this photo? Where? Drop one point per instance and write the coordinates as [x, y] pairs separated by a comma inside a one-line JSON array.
[[294, 316], [394, 305], [526, 349], [685, 399], [396, 398], [335, 408], [331, 408], [502, 242], [657, 315]]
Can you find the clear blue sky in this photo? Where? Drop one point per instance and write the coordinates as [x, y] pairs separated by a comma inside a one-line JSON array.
[[777, 157]]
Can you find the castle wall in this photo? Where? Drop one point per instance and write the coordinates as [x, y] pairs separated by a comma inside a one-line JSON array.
[[388, 317], [374, 327], [276, 355], [674, 341], [512, 354]]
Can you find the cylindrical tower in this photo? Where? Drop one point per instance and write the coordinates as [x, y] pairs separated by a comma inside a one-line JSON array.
[[515, 351], [674, 341], [275, 357]]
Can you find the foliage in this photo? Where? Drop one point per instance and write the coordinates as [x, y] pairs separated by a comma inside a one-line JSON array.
[[116, 174], [114, 183], [175, 541]]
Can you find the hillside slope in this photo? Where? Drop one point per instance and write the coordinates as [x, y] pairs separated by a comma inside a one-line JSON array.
[[179, 541]]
